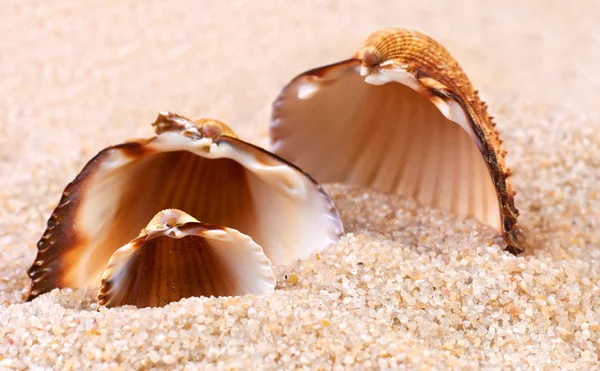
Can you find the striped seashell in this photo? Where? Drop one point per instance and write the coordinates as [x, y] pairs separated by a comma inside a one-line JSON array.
[[177, 257], [199, 167], [401, 117]]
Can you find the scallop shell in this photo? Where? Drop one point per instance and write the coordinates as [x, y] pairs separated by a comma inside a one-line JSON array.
[[400, 117], [197, 167], [177, 257]]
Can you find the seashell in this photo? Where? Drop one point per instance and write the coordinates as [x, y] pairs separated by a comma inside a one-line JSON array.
[[400, 117], [178, 257], [199, 167]]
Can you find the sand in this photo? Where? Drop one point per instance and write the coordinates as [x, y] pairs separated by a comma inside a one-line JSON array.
[[408, 286]]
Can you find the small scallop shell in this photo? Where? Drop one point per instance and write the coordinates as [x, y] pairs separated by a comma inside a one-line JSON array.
[[400, 117], [177, 257], [198, 167]]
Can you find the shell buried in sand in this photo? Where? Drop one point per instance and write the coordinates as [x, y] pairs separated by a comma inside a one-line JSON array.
[[178, 257], [400, 117], [198, 167]]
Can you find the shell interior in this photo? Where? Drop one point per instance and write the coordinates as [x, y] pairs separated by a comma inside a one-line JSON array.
[[386, 131], [169, 263]]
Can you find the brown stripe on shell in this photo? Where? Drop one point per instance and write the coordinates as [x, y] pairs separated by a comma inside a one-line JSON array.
[[60, 235]]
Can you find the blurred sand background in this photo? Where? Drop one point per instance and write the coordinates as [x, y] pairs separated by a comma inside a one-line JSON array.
[[78, 76]]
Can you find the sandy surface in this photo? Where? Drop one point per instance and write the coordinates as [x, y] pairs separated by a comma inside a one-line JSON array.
[[408, 285]]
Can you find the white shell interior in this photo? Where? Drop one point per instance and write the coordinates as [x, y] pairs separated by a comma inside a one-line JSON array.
[[227, 184], [383, 130]]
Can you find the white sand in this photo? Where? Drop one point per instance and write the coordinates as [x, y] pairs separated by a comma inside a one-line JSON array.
[[408, 286]]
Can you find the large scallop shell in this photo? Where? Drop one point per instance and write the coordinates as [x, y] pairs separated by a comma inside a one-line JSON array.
[[178, 257], [401, 117], [197, 167]]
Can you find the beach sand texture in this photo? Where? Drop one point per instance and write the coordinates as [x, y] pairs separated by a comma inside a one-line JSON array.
[[408, 286]]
